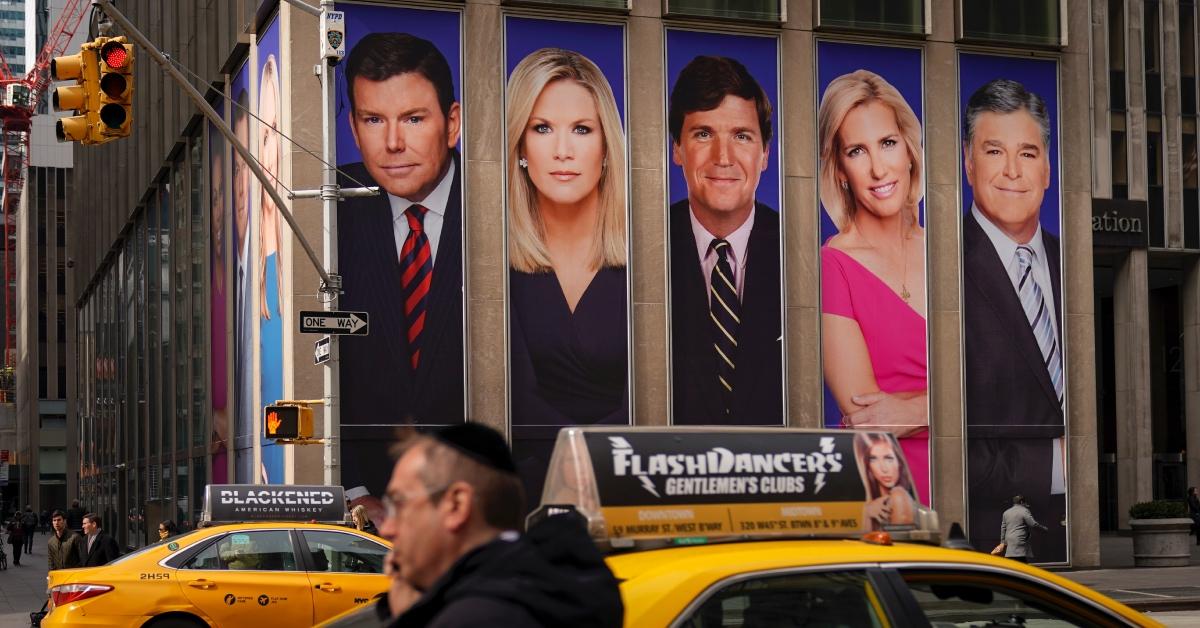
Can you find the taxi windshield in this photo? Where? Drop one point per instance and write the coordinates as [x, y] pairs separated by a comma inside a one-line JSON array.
[[182, 539]]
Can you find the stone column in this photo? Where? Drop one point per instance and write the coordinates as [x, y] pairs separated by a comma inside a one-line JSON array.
[[1131, 354], [1172, 133], [648, 219], [485, 263]]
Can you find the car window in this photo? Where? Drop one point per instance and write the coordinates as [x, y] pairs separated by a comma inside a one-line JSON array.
[[842, 599], [344, 553], [255, 550], [964, 600]]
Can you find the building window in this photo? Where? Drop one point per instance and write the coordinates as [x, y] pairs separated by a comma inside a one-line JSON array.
[[1120, 160], [893, 16], [1116, 55], [757, 10], [1015, 22], [1153, 57]]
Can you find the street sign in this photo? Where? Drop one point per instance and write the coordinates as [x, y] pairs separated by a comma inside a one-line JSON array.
[[341, 323], [321, 351]]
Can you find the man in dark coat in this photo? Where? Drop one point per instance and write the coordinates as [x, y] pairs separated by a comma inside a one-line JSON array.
[[99, 548], [400, 253], [75, 516], [64, 549], [458, 549], [727, 355]]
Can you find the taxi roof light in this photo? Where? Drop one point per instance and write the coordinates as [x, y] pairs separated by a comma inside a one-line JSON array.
[[68, 593]]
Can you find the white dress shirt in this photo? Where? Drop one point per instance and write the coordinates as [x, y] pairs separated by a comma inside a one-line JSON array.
[[436, 204], [739, 241]]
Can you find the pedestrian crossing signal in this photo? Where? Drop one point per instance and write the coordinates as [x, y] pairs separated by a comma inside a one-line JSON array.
[[287, 422]]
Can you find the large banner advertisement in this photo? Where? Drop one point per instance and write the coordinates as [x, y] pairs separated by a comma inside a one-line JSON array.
[[243, 370], [724, 229], [269, 272], [1012, 302], [218, 304], [873, 305], [567, 211], [400, 254]]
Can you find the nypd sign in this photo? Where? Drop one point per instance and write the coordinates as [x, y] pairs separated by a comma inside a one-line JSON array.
[[263, 502]]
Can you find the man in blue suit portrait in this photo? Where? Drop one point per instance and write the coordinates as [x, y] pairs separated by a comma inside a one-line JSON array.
[[727, 361], [400, 253], [1012, 315]]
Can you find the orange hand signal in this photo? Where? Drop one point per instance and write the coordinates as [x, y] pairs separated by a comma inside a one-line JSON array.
[[273, 422]]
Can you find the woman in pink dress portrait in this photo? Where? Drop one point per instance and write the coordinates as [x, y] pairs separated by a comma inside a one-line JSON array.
[[873, 269]]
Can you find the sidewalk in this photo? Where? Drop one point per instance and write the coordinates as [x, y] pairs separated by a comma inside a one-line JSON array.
[[23, 589], [1146, 588]]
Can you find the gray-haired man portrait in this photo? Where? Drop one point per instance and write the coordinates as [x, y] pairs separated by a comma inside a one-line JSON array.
[[1012, 313]]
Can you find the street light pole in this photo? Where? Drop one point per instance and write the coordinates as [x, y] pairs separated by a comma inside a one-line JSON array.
[[329, 200]]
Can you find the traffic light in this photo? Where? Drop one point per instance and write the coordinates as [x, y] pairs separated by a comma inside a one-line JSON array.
[[82, 68], [116, 89], [102, 97], [287, 422]]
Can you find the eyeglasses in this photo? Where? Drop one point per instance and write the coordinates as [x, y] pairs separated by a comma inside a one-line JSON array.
[[394, 503]]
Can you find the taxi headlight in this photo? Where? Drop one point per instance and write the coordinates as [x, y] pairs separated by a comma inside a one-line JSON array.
[[68, 593]]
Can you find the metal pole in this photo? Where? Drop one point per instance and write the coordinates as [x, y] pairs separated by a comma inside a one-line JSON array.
[[133, 33], [329, 200]]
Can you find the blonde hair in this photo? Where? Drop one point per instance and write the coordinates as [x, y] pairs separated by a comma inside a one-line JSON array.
[[270, 73], [526, 232], [844, 94], [359, 515]]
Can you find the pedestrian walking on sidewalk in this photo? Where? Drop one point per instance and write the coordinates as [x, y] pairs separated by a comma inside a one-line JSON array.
[[64, 549], [1015, 526], [1193, 502], [16, 538], [75, 516], [29, 521]]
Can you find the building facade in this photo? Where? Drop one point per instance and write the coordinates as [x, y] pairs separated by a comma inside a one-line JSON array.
[[185, 313]]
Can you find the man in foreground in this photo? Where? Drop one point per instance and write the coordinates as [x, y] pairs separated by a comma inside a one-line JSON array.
[[64, 548], [454, 505], [99, 547]]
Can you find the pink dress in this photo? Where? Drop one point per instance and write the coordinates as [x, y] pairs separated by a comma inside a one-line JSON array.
[[895, 337]]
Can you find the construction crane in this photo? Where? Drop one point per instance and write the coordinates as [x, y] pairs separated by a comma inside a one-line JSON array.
[[19, 98]]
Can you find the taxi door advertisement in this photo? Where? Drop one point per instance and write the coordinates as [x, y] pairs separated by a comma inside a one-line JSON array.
[[237, 592]]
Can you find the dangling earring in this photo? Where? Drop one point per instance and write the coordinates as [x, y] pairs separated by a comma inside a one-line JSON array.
[[524, 163], [845, 186], [604, 165]]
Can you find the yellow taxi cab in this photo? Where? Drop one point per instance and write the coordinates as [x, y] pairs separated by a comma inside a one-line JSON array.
[[748, 527], [261, 558], [708, 527]]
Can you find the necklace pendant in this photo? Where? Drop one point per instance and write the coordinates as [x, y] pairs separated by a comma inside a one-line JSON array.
[[904, 294]]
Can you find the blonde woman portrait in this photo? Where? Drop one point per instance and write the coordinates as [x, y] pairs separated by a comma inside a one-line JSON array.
[[270, 270], [873, 269], [566, 242], [889, 493]]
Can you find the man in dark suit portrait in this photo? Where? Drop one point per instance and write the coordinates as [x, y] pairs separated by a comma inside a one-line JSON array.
[[98, 547], [727, 362], [400, 253], [1012, 314]]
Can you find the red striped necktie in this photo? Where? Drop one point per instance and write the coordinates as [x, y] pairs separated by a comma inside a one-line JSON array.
[[416, 274]]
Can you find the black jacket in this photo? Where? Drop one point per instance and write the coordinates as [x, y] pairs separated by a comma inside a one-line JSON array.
[[104, 550], [553, 576]]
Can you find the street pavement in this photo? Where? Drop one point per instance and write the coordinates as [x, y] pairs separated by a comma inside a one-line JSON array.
[[1161, 592], [23, 589]]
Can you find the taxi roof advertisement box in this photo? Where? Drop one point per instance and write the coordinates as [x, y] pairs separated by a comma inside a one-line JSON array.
[[658, 484], [258, 502]]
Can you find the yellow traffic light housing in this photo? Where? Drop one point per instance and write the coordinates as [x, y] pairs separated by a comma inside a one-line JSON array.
[[102, 97], [116, 89], [288, 422], [78, 97]]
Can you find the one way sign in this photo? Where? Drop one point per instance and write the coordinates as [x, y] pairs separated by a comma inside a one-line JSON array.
[[342, 323]]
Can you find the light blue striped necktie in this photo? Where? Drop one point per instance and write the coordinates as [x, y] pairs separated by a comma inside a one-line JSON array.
[[1038, 314]]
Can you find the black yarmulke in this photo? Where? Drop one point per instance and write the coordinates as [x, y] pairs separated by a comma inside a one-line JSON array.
[[480, 443]]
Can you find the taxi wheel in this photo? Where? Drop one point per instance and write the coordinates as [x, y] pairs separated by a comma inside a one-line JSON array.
[[176, 620]]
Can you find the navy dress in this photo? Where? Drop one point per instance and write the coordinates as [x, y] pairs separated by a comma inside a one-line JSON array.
[[569, 368]]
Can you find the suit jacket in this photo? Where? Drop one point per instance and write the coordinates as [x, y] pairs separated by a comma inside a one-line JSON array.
[[1013, 413], [1015, 526], [758, 376], [104, 550], [378, 385]]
